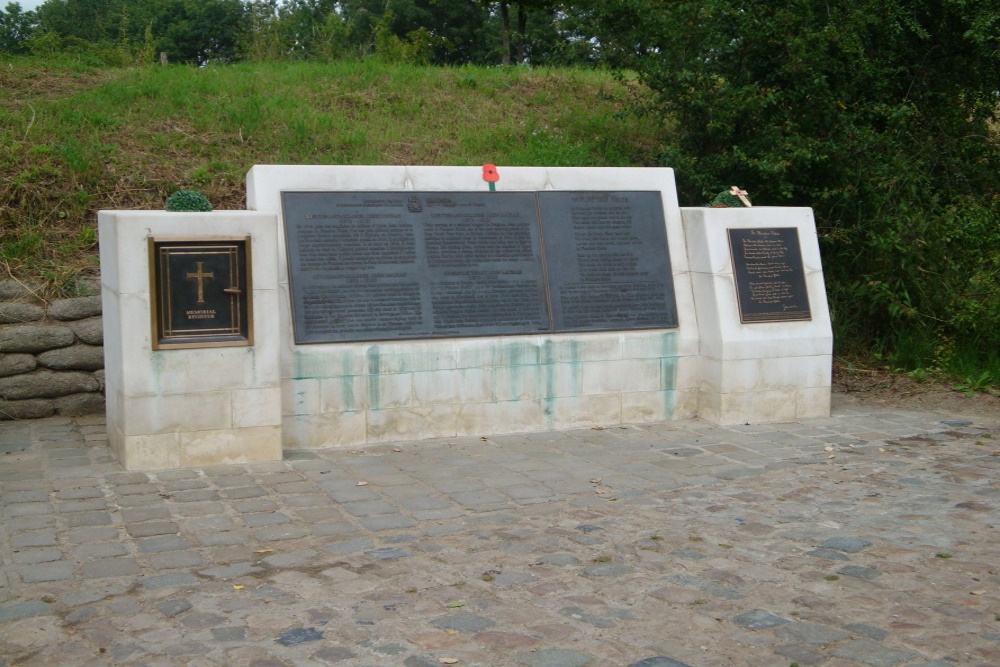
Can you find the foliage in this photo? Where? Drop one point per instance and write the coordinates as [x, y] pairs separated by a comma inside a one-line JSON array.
[[16, 26], [726, 199], [76, 138], [187, 201], [876, 113]]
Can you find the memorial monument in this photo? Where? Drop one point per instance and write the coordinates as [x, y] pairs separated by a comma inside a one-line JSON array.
[[381, 304]]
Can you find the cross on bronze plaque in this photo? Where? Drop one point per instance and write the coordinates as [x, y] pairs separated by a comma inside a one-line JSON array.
[[209, 306], [200, 276]]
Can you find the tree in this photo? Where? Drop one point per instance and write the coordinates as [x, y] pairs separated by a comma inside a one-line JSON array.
[[16, 26], [875, 112]]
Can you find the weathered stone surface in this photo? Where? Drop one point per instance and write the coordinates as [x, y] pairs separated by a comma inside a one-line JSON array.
[[46, 384], [33, 408], [12, 312], [90, 331], [554, 658], [851, 545], [35, 338], [872, 653], [171, 608], [75, 357], [757, 619], [75, 309], [467, 624], [76, 405], [99, 376], [16, 364], [15, 289]]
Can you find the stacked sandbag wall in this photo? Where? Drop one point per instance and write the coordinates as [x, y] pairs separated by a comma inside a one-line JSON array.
[[51, 354]]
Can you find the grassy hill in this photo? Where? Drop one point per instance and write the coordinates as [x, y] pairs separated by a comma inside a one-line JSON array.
[[75, 139]]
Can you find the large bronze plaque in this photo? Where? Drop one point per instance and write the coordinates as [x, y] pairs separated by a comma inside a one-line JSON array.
[[397, 265], [201, 292], [770, 280], [608, 263]]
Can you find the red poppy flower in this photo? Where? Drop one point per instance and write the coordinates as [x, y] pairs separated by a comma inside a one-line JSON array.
[[490, 173]]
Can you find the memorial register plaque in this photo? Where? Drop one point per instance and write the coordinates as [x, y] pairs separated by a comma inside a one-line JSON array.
[[770, 280], [398, 265], [202, 293]]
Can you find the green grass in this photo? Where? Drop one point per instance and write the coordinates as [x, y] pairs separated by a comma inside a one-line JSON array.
[[76, 139]]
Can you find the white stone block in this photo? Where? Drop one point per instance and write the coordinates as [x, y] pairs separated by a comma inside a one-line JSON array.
[[151, 452], [393, 390], [237, 445], [582, 411], [349, 393], [647, 406], [393, 424], [494, 352], [256, 407], [796, 372], [466, 385], [650, 344], [300, 397], [203, 411], [500, 417], [681, 373], [728, 376], [812, 402], [533, 383], [412, 356], [686, 403], [332, 429], [582, 347], [751, 407], [607, 377]]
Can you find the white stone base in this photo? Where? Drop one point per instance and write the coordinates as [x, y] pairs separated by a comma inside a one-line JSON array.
[[756, 372], [350, 394], [187, 407]]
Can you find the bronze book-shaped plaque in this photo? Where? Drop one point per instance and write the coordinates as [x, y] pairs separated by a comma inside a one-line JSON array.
[[201, 292]]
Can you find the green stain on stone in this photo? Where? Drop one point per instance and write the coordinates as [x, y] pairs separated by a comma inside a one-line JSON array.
[[374, 388], [347, 384], [668, 371]]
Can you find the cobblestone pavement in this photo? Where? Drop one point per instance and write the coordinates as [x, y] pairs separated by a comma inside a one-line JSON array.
[[867, 539]]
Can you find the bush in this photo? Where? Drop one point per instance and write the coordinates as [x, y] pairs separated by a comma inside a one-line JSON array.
[[876, 114], [188, 200]]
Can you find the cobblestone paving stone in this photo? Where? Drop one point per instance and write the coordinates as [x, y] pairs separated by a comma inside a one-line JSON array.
[[871, 538]]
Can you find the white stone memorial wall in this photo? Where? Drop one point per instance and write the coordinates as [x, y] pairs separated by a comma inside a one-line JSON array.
[[191, 407], [356, 393]]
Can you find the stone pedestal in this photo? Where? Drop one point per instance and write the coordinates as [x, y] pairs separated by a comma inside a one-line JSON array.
[[187, 407], [756, 372]]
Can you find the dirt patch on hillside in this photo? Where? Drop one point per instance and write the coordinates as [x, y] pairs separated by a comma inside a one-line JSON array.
[[903, 392], [28, 84]]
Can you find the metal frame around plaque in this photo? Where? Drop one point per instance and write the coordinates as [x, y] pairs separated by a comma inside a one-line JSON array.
[[783, 289], [375, 258], [233, 291]]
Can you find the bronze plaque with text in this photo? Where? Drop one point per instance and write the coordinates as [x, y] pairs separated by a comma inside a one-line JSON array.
[[770, 279], [397, 265], [201, 292]]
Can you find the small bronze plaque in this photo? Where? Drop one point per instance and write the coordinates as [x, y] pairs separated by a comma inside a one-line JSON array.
[[770, 279], [201, 291]]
